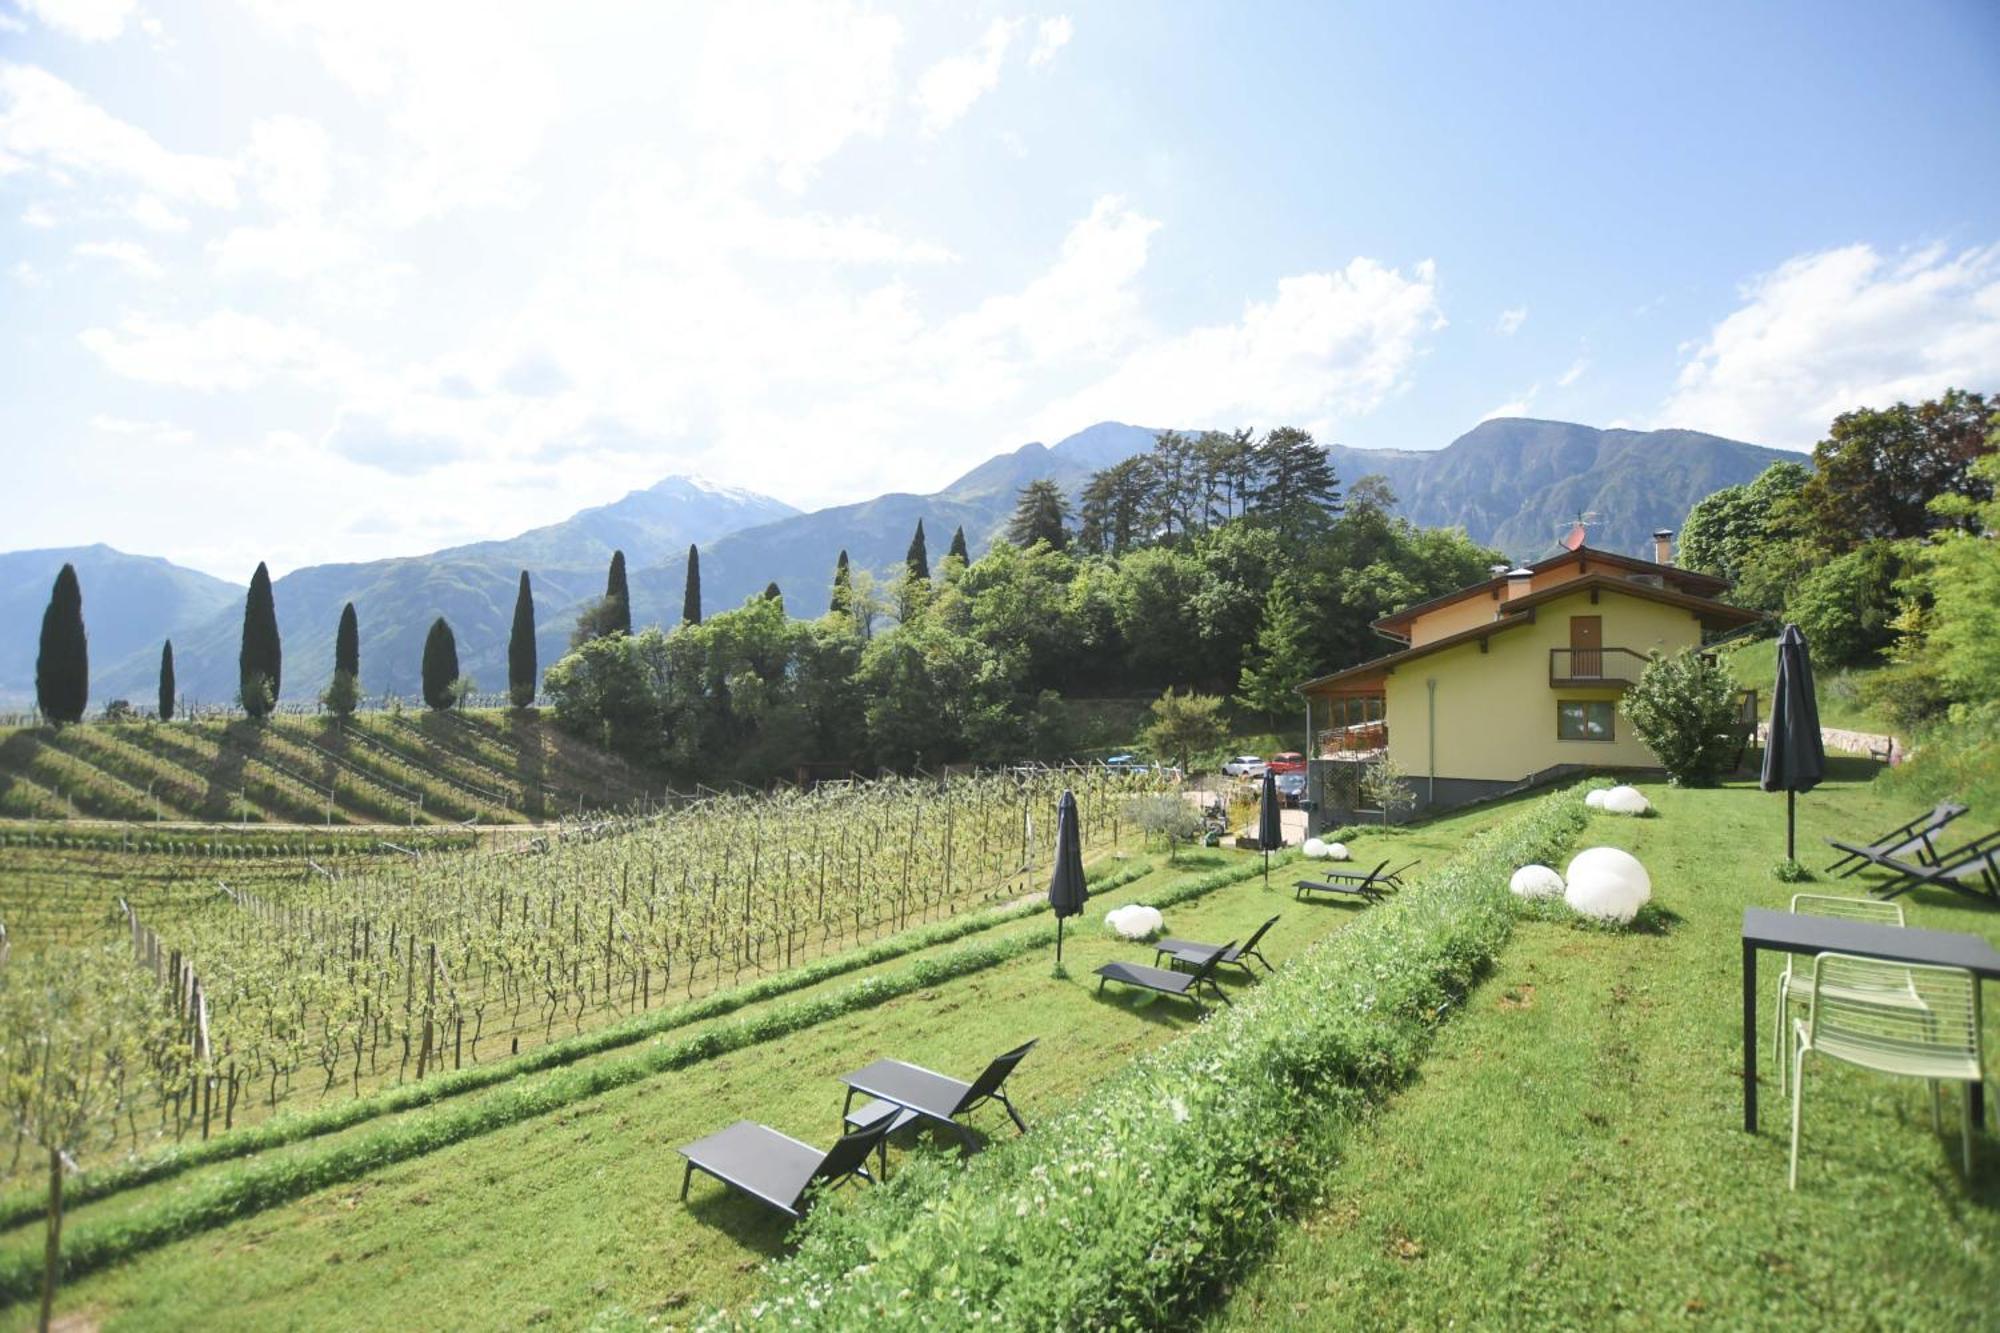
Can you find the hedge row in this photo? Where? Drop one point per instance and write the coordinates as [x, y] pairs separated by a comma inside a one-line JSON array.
[[1142, 1202], [253, 1186], [24, 1206]]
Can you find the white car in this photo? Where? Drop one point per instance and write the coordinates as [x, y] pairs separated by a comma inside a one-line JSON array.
[[1245, 766]]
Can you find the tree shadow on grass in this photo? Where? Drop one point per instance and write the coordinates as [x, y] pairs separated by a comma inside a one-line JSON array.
[[1165, 1010]]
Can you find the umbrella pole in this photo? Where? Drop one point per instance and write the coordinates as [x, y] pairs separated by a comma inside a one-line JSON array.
[[1790, 798], [1059, 925]]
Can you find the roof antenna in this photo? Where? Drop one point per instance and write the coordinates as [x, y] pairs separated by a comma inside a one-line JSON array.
[[1578, 529]]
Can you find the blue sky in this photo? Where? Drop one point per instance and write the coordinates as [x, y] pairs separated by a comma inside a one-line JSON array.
[[305, 282]]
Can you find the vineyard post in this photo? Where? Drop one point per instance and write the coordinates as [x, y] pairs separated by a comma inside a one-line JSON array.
[[430, 1007]]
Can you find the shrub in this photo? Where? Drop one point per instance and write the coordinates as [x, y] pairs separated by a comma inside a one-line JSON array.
[[1683, 709], [1143, 1200], [1908, 694], [1166, 816], [1385, 786], [1847, 606], [342, 695]]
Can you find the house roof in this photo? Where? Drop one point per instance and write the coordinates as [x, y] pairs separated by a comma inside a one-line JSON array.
[[1521, 611], [1687, 578]]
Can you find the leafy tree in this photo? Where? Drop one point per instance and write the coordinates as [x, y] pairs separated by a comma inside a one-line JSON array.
[[1281, 661], [917, 560], [691, 591], [1156, 614], [62, 667], [1725, 533], [958, 546], [1847, 606], [1878, 470], [609, 690], [343, 693], [1298, 493], [1952, 651], [167, 681], [1183, 724], [617, 597], [1040, 515], [1385, 786], [521, 663], [260, 660], [843, 586], [440, 666], [1118, 505], [772, 593], [1167, 816], [1683, 709]]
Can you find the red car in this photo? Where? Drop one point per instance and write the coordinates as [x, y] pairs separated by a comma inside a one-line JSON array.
[[1291, 761]]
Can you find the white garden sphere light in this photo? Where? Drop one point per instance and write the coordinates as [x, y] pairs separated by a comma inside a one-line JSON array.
[[1314, 849], [1536, 882], [1135, 921], [1607, 883], [1626, 801], [1336, 851], [1594, 798]]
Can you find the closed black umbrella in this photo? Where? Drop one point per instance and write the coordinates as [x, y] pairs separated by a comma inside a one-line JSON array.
[[1270, 831], [1066, 889], [1794, 757]]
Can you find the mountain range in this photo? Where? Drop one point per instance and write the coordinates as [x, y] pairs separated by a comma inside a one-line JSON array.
[[1510, 482]]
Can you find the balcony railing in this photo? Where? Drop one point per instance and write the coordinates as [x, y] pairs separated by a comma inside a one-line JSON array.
[[1594, 666]]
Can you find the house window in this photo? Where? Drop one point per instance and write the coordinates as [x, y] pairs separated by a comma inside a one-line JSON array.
[[1584, 719]]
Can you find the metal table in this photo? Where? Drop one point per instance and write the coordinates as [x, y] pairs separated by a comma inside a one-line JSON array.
[[1787, 932]]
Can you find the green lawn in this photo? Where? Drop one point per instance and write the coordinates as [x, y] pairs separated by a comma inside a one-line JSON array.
[[1755, 667], [573, 1216], [1572, 1155]]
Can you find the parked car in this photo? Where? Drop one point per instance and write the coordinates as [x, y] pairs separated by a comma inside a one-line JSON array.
[[1291, 788], [1291, 761], [1244, 766]]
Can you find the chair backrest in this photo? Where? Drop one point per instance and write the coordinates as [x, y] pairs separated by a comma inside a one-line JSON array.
[[994, 1075], [850, 1152], [1251, 943], [1407, 865], [1880, 1012], [1985, 847], [1376, 873], [1848, 909], [1213, 961], [1943, 814]]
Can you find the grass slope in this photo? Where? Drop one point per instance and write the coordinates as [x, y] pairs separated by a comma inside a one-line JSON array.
[[1572, 1155]]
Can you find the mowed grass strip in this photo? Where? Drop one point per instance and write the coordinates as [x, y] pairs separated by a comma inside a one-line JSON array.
[[573, 1215], [1573, 1156]]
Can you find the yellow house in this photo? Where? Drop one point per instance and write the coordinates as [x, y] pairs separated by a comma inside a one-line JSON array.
[[1512, 680]]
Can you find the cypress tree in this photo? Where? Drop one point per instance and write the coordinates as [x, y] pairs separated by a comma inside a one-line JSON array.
[[617, 597], [918, 560], [843, 585], [691, 598], [958, 547], [62, 669], [259, 662], [440, 671], [772, 593], [521, 665], [167, 681], [347, 644]]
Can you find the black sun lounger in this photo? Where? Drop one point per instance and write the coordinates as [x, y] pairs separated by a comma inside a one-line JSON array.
[[1166, 982], [1972, 869], [776, 1169], [1178, 952], [1911, 842], [1369, 886], [901, 1093]]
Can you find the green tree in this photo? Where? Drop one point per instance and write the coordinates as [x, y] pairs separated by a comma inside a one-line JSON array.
[[1847, 606], [1726, 532], [167, 681], [958, 546], [917, 560], [1118, 504], [1281, 660], [1040, 515], [62, 667], [1183, 724], [1386, 787], [260, 660], [343, 693], [1298, 493], [843, 586], [1683, 709], [617, 597], [609, 691], [1877, 471], [521, 663], [440, 666], [1958, 642], [1165, 815], [691, 590], [773, 593]]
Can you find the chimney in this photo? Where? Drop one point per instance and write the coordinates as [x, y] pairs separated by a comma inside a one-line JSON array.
[[1519, 582], [1495, 571], [1663, 547]]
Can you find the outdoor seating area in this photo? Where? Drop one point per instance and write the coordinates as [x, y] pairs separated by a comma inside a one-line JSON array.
[[1371, 886], [1911, 858]]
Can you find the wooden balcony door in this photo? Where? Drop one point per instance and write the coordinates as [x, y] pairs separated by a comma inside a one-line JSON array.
[[1586, 647]]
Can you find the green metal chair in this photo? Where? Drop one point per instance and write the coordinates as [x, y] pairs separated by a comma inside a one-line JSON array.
[[1937, 1040], [1795, 982]]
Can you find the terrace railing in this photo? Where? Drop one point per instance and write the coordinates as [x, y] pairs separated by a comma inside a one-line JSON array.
[[1595, 666]]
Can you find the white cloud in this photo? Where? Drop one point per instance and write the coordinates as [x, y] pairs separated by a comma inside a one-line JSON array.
[[158, 432], [225, 351], [1829, 332], [27, 274], [45, 121], [1051, 36], [34, 215], [128, 255], [87, 20], [1510, 321], [1517, 408], [947, 90], [1576, 371], [288, 249], [153, 215], [1327, 346]]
